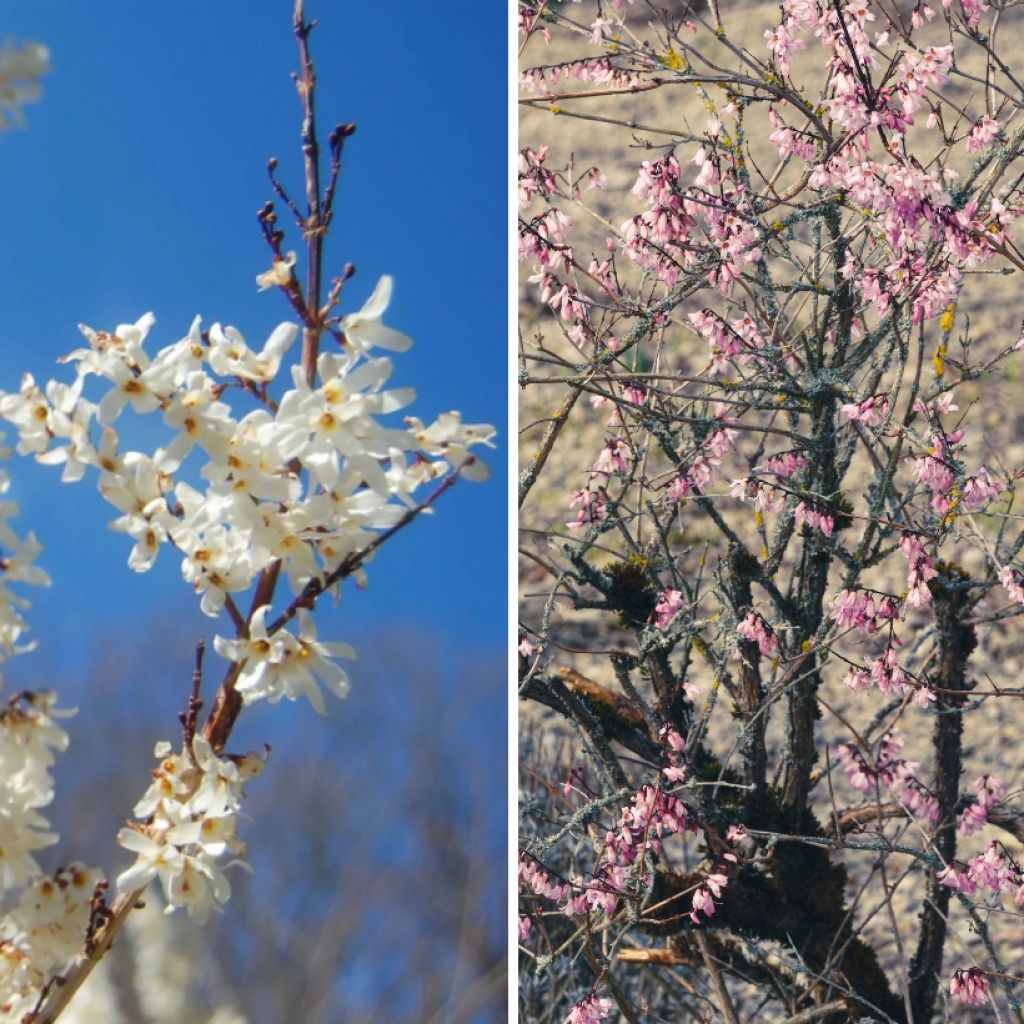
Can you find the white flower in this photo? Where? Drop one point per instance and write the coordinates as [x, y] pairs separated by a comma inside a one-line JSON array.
[[21, 67], [279, 274], [450, 438], [364, 330], [231, 357]]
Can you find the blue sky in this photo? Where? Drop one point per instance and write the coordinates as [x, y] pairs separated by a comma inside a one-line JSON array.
[[134, 187]]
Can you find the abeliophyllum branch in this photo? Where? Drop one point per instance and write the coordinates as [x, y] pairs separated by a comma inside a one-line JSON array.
[[781, 503], [276, 481]]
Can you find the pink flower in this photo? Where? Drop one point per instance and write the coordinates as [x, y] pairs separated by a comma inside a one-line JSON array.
[[672, 738], [670, 604], [813, 518], [704, 897], [1011, 581], [679, 488], [970, 985], [538, 881], [857, 679], [858, 773], [921, 570], [611, 459], [980, 488], [982, 134], [989, 791], [784, 466], [593, 509], [600, 30], [525, 927], [870, 412], [887, 674], [959, 880], [853, 609], [755, 629], [591, 1010]]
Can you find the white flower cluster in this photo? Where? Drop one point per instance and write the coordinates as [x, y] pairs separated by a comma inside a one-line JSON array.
[[21, 67], [46, 928], [303, 480], [276, 665], [16, 567], [189, 817], [28, 737], [42, 935]]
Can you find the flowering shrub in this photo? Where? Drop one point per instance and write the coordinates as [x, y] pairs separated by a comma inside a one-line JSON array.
[[281, 470], [766, 379]]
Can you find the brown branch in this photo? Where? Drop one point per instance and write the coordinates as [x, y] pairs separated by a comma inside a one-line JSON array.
[[813, 1013], [190, 716], [313, 231], [65, 987], [724, 1000]]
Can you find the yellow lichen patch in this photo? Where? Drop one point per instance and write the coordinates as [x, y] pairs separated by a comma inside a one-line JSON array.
[[673, 60], [946, 320]]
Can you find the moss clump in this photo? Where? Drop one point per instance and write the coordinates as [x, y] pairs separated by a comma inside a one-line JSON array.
[[630, 591]]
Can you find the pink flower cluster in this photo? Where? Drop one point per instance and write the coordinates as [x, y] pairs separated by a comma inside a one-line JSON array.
[[989, 791], [936, 471], [857, 609], [919, 69], [612, 459], [739, 340], [993, 869], [534, 178], [662, 238], [870, 412], [765, 498], [891, 772], [814, 518], [982, 135], [652, 816], [704, 897], [784, 466], [590, 1010], [980, 489], [591, 70], [756, 629], [971, 985], [706, 465], [886, 674], [914, 211], [533, 877], [782, 41], [725, 345], [592, 509], [675, 771], [1011, 581], [653, 237], [670, 604], [787, 141], [920, 570], [543, 239]]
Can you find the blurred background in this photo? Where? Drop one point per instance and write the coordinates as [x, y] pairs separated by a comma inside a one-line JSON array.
[[378, 832]]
